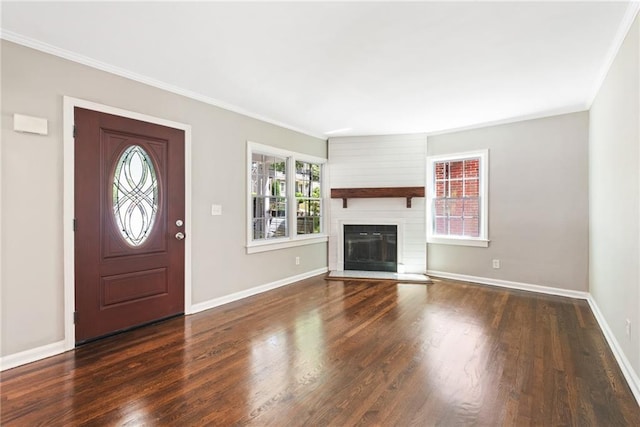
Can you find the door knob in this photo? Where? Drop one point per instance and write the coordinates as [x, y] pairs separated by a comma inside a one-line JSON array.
[[180, 235]]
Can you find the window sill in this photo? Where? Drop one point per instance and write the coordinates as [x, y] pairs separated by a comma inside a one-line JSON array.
[[256, 247], [478, 243]]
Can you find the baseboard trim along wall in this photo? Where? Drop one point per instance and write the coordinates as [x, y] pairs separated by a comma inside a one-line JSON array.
[[625, 366], [511, 285], [39, 353], [31, 355], [201, 306]]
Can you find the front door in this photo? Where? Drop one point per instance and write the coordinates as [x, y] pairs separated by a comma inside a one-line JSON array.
[[129, 223]]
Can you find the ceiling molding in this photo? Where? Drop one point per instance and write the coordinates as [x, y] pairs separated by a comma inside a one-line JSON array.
[[401, 137], [619, 20], [90, 62], [625, 25], [539, 115], [380, 138]]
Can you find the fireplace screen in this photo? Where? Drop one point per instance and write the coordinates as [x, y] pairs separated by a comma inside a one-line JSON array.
[[371, 247]]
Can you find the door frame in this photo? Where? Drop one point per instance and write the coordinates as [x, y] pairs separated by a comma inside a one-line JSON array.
[[68, 208]]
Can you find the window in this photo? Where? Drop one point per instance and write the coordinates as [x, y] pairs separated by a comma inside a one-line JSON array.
[[269, 196], [285, 198], [457, 204], [135, 195], [308, 198]]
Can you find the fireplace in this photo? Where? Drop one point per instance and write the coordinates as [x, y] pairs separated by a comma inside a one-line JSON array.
[[371, 247]]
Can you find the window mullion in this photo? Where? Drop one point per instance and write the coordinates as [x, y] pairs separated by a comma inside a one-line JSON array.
[[290, 182], [464, 193]]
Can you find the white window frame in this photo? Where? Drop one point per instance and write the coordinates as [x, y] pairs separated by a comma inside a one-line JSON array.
[[293, 239], [483, 239]]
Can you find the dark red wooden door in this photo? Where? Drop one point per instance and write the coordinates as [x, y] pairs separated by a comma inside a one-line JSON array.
[[129, 210]]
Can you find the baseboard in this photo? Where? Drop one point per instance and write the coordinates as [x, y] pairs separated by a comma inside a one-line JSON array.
[[38, 353], [32, 355], [201, 306], [625, 366], [511, 285]]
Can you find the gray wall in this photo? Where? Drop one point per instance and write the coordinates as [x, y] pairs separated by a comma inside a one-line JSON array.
[[34, 83], [538, 204], [614, 193]]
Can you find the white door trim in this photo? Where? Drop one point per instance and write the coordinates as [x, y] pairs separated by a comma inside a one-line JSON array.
[[69, 103]]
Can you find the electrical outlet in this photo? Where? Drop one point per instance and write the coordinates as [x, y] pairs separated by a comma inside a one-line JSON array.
[[628, 328], [297, 260], [216, 210], [496, 263]]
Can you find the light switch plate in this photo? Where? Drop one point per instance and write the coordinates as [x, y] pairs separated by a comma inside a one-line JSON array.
[[216, 210]]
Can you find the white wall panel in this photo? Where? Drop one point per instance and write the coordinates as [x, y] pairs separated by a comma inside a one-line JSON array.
[[380, 161]]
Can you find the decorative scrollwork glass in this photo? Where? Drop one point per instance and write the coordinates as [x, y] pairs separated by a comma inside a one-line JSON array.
[[135, 195]]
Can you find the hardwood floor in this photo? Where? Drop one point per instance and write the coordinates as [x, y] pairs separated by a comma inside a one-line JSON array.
[[340, 353]]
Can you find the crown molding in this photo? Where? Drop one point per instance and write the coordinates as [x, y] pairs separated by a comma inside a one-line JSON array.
[[625, 25], [523, 118], [99, 65]]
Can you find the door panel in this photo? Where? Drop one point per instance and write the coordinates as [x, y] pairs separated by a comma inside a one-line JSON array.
[[129, 192], [127, 287]]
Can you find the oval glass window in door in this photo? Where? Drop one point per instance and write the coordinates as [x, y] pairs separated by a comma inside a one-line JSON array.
[[135, 195]]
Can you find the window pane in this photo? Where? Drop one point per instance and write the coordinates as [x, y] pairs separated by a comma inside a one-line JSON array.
[[314, 207], [442, 189], [304, 207], [135, 195], [471, 168], [308, 180], [471, 207], [309, 211], [441, 226], [315, 172], [277, 227], [268, 175], [471, 227], [471, 187], [456, 189], [455, 207], [304, 225], [269, 190], [278, 207], [456, 169], [440, 207], [259, 207], [455, 227], [258, 228]]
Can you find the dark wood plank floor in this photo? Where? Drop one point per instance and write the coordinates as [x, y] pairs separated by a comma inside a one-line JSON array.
[[340, 353]]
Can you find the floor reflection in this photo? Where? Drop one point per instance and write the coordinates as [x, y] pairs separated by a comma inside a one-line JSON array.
[[336, 353]]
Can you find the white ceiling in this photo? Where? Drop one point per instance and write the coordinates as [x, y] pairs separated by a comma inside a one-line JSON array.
[[371, 68]]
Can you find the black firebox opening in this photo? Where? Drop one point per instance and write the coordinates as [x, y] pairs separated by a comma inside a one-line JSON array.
[[371, 247]]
